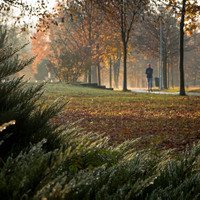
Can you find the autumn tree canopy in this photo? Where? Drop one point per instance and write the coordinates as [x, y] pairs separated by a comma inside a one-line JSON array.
[[92, 16], [82, 35], [124, 14]]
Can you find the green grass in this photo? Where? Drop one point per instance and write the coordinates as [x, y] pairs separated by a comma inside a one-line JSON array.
[[176, 89], [77, 91]]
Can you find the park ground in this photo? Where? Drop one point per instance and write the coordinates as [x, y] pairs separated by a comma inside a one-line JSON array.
[[160, 121]]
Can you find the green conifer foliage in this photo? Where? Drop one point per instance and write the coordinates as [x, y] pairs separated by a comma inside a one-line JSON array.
[[18, 105]]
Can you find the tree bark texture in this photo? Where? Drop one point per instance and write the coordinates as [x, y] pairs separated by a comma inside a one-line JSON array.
[[182, 83], [99, 73], [125, 67], [165, 68], [110, 72], [116, 67]]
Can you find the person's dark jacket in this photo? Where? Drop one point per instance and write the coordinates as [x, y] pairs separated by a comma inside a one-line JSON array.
[[149, 72]]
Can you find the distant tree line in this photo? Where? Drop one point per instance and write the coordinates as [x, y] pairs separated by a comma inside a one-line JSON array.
[[86, 38]]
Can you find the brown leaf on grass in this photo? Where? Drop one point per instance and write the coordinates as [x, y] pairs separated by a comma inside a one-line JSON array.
[[172, 122]]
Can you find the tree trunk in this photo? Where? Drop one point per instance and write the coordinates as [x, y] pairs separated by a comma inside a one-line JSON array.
[[182, 84], [90, 45], [172, 72], [125, 37], [168, 73], [116, 67], [94, 74], [195, 78], [165, 70], [125, 67], [195, 61], [99, 73], [90, 68], [110, 72], [85, 77]]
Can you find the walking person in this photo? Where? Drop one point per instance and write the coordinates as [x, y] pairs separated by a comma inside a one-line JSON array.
[[149, 73]]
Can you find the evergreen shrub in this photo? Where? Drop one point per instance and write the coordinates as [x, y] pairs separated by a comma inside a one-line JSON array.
[[86, 167], [18, 104]]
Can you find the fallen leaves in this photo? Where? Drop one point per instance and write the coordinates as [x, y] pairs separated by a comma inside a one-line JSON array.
[[162, 122]]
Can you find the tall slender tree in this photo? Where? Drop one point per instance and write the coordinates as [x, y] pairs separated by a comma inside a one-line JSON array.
[[187, 10]]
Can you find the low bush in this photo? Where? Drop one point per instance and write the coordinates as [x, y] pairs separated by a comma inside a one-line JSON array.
[[135, 176], [86, 167]]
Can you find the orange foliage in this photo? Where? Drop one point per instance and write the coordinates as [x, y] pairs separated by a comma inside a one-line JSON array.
[[91, 35], [40, 48]]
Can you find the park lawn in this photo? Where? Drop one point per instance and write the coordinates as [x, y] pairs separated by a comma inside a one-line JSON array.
[[177, 89], [160, 121]]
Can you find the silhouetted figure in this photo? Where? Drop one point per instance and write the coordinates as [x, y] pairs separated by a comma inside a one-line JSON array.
[[149, 73]]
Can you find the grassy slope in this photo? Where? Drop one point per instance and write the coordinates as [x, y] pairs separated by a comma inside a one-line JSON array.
[[196, 90], [162, 121]]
